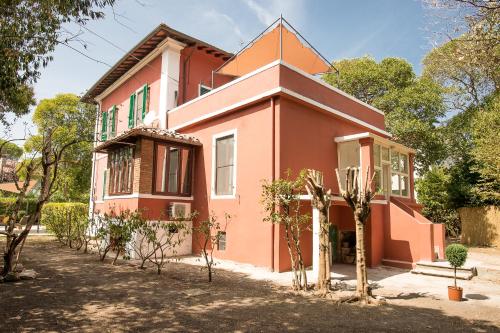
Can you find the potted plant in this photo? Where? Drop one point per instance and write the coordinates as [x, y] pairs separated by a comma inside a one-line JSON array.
[[456, 255]]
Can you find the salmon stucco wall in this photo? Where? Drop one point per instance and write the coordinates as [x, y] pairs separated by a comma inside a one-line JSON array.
[[196, 68], [120, 97], [248, 238]]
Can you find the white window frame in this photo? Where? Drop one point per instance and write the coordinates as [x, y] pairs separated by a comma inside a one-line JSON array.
[[234, 133], [136, 123], [400, 173], [109, 131]]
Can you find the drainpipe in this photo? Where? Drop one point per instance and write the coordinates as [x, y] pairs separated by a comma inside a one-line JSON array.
[[273, 173], [94, 155]]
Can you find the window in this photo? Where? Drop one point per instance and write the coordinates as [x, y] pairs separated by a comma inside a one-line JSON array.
[[173, 169], [138, 106], [104, 176], [112, 122], [221, 240], [224, 164], [202, 90], [348, 156], [121, 162], [400, 174]]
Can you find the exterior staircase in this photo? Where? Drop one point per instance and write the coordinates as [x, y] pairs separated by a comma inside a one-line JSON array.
[[443, 269]]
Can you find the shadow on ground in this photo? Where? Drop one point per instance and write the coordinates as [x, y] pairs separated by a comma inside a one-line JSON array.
[[76, 292]]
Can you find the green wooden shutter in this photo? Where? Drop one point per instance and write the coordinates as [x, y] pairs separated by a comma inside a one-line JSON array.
[[113, 121], [104, 183], [104, 128], [131, 111], [144, 100]]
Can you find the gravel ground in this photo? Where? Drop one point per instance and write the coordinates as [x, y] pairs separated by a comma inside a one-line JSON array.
[[74, 292]]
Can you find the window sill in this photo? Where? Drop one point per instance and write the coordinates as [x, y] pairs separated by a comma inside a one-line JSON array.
[[221, 197]]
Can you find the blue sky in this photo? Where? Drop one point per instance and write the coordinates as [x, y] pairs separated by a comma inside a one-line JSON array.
[[337, 28]]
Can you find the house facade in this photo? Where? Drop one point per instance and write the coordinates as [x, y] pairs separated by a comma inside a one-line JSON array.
[[185, 126]]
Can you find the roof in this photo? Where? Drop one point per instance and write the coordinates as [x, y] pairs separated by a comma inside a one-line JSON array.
[[141, 50], [278, 43], [129, 136], [11, 187]]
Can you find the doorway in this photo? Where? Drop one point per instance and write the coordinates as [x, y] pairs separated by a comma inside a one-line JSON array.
[[347, 247]]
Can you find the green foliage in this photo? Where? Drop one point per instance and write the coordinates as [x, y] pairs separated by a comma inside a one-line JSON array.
[[456, 254], [71, 121], [486, 150], [68, 221], [413, 105], [434, 193], [208, 232], [10, 150], [7, 203], [281, 202], [154, 241], [29, 33], [114, 231]]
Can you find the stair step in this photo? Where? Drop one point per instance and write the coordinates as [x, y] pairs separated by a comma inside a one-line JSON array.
[[462, 274]]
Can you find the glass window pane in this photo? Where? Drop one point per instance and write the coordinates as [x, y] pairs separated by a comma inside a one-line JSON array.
[[224, 165], [376, 155], [385, 154], [403, 163], [404, 186], [161, 168], [138, 107], [395, 184], [378, 181], [173, 169], [186, 168], [394, 161]]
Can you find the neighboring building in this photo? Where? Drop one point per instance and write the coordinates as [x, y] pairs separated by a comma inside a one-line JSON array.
[[7, 169], [185, 125]]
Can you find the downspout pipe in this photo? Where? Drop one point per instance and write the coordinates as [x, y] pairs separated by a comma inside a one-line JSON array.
[[273, 173], [94, 156]]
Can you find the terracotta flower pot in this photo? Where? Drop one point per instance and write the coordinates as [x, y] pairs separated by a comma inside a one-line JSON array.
[[455, 293]]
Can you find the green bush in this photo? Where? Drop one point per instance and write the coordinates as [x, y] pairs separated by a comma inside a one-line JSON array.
[[67, 221], [6, 204], [456, 254]]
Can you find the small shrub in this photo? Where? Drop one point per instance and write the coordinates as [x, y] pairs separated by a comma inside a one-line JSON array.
[[456, 255], [67, 221]]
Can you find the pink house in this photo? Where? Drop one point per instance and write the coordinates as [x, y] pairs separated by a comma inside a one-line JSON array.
[[185, 126]]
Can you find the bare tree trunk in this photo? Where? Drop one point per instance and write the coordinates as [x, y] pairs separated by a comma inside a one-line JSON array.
[[320, 199], [359, 199], [362, 288]]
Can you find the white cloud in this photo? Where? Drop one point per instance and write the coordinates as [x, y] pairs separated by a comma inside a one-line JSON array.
[[268, 11], [216, 16]]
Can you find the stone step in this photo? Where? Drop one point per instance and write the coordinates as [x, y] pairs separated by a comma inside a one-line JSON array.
[[443, 269]]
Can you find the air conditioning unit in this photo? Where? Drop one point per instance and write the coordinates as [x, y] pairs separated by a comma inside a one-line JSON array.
[[179, 210]]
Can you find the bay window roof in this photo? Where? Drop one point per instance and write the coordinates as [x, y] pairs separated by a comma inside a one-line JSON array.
[[129, 137]]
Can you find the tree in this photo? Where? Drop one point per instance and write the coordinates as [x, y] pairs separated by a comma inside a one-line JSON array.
[[413, 105], [10, 149], [51, 155], [434, 189], [209, 233], [321, 200], [456, 255], [281, 201], [29, 33], [358, 198], [486, 150], [71, 120]]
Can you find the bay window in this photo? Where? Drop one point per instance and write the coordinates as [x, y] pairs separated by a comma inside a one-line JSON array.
[[173, 167], [121, 164]]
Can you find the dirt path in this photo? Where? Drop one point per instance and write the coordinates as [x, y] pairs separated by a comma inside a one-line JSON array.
[[77, 293]]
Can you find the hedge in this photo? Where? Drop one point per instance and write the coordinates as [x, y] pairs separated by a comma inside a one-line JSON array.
[[68, 221], [7, 202]]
